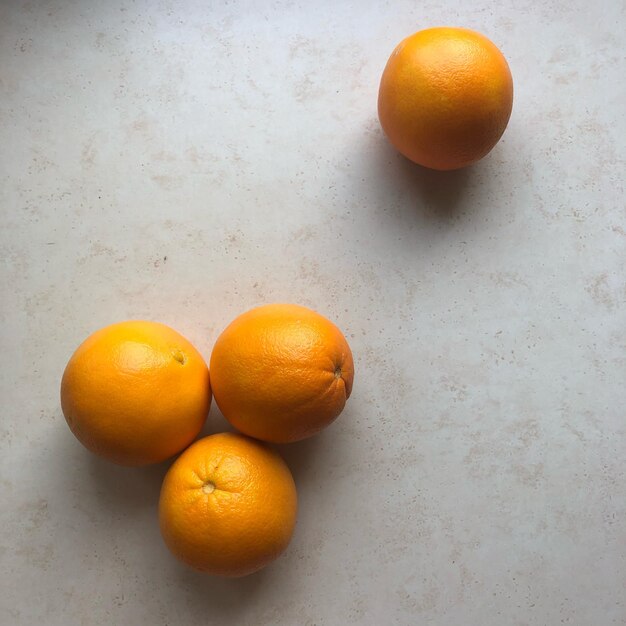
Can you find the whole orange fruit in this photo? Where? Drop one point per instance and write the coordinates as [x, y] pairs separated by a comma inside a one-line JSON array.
[[136, 392], [445, 97], [228, 505], [281, 372]]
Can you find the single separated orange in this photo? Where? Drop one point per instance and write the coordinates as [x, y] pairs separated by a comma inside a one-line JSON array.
[[281, 372], [136, 392], [445, 97], [228, 505]]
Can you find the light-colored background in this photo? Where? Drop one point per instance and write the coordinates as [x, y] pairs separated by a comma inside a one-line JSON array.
[[184, 161]]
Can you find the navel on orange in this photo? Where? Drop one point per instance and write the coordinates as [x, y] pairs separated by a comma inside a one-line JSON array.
[[228, 505], [136, 392], [281, 372], [445, 97]]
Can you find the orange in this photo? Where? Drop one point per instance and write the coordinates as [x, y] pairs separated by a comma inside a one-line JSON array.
[[281, 372], [228, 505], [445, 97], [136, 392]]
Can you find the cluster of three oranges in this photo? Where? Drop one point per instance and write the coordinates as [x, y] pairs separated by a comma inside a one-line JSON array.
[[138, 392]]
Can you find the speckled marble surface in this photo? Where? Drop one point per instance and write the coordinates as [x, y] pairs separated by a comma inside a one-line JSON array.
[[184, 161]]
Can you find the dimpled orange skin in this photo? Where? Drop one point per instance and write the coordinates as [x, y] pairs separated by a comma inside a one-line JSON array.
[[136, 392], [228, 505], [281, 372], [445, 97]]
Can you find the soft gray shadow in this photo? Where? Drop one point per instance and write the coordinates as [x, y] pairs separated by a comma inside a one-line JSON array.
[[407, 198], [215, 423], [221, 599], [126, 490], [438, 194], [301, 456], [433, 194], [102, 485]]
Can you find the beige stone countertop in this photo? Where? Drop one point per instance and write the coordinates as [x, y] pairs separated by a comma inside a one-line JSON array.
[[185, 161]]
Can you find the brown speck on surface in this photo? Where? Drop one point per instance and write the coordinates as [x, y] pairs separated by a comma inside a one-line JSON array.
[[605, 290]]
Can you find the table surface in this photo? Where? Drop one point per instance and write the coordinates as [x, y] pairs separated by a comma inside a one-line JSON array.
[[183, 162]]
